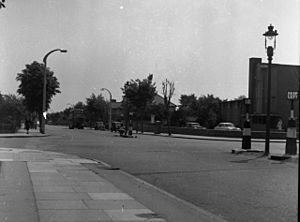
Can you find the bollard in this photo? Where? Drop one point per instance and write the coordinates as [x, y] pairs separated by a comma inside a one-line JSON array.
[[291, 138], [246, 143]]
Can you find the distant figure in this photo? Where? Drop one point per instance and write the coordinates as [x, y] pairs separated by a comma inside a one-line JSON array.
[[279, 124], [27, 125]]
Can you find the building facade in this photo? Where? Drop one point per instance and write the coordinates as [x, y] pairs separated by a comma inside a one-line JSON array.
[[233, 111], [284, 79]]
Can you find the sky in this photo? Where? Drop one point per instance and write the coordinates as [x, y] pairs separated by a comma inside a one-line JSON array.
[[203, 46]]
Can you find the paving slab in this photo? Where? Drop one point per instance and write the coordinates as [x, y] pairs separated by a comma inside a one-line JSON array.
[[113, 204], [130, 214], [110, 196], [62, 205], [17, 202], [61, 196], [101, 188], [48, 187], [74, 215]]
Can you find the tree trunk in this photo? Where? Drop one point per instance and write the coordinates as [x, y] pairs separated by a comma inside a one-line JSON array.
[[168, 122]]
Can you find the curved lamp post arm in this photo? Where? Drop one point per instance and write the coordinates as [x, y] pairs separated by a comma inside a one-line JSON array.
[[110, 95], [54, 50]]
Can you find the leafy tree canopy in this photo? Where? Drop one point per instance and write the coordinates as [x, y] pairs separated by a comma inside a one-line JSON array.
[[11, 108], [241, 97], [206, 109], [96, 108], [31, 86], [139, 93]]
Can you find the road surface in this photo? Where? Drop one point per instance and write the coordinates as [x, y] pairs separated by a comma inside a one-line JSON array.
[[237, 187]]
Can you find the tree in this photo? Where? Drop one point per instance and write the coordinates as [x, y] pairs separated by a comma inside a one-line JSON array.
[[11, 109], [188, 100], [208, 110], [241, 97], [138, 94], [188, 108], [168, 89], [96, 108], [31, 87], [205, 109]]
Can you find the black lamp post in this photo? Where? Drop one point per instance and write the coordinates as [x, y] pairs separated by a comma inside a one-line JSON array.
[[270, 45], [44, 87], [110, 108]]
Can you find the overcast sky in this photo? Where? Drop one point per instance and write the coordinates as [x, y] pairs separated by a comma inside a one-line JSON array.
[[202, 45]]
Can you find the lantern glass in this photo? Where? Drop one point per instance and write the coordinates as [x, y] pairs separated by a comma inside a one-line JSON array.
[[270, 41], [270, 37]]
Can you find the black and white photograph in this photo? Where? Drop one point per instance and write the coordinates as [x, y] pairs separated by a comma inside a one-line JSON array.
[[149, 110]]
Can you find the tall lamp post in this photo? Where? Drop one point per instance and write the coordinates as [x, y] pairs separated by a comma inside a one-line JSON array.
[[270, 45], [44, 88], [110, 99]]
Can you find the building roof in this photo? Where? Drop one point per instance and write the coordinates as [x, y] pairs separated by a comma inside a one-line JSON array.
[[158, 99]]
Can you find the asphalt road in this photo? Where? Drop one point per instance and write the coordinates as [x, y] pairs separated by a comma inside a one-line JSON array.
[[237, 187]]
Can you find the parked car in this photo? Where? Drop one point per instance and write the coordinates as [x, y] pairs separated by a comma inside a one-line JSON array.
[[194, 125], [99, 126], [227, 126]]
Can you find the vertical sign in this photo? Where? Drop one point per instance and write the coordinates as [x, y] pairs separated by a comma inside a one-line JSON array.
[[292, 95]]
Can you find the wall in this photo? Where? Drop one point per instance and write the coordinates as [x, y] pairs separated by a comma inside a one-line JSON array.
[[284, 78], [233, 111], [209, 132]]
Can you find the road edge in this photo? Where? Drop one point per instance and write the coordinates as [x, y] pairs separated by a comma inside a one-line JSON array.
[[199, 213]]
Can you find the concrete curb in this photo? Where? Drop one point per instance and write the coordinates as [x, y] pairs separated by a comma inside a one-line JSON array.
[[22, 134], [19, 135], [204, 214], [72, 187], [229, 139]]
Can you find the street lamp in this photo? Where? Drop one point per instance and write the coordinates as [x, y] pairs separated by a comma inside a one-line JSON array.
[[110, 99], [44, 88], [270, 45]]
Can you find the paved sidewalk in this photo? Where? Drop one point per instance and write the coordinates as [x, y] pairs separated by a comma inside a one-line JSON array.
[[22, 133], [39, 186]]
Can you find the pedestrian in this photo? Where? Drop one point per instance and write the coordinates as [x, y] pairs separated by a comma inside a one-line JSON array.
[[27, 125]]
